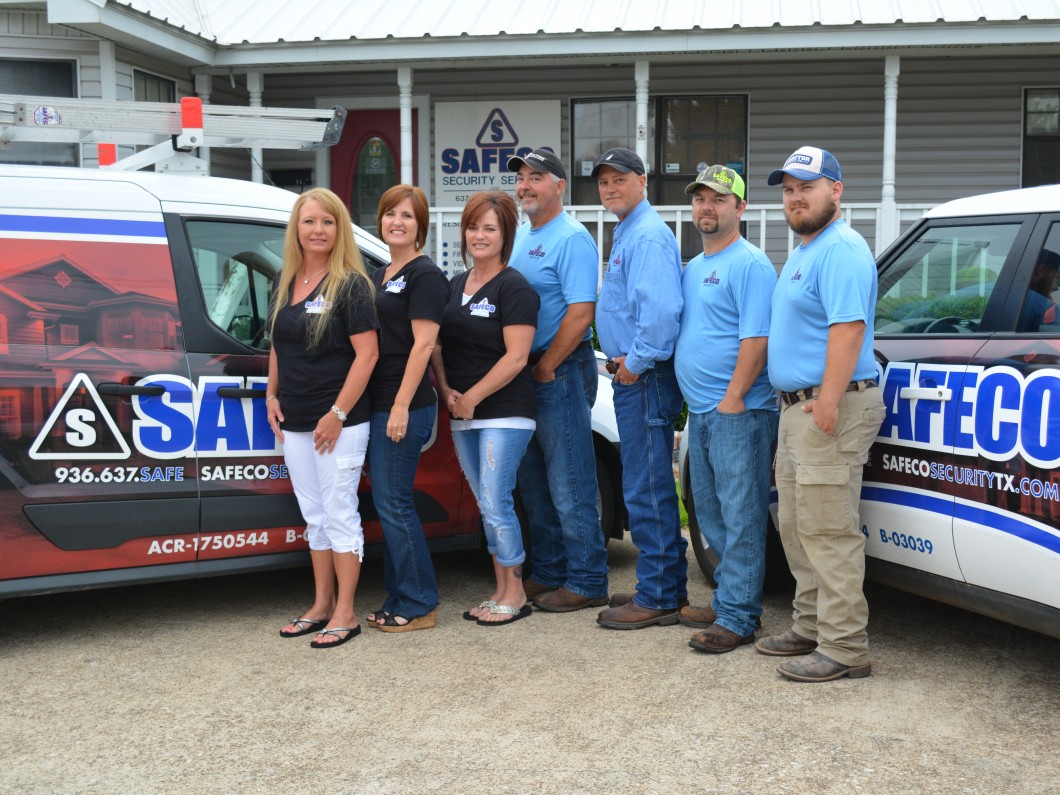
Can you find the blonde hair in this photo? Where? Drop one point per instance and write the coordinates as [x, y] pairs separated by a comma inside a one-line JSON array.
[[345, 265]]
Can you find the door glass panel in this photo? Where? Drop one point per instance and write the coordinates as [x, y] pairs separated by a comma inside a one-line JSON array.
[[236, 263], [375, 173], [1040, 313], [942, 283]]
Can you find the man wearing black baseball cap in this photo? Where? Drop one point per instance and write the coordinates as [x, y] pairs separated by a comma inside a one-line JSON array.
[[637, 320], [821, 361], [557, 476]]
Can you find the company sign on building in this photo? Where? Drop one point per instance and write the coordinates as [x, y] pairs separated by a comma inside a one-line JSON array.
[[473, 141]]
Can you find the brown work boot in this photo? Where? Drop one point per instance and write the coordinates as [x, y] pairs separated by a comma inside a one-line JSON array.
[[534, 589], [562, 600], [697, 617], [633, 616], [787, 644], [625, 597], [716, 639], [818, 668]]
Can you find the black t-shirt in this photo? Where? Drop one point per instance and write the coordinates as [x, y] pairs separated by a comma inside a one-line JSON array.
[[472, 337], [418, 291], [310, 379]]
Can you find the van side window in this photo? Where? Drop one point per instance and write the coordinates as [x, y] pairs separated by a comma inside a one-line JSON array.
[[1040, 314], [235, 262], [943, 281]]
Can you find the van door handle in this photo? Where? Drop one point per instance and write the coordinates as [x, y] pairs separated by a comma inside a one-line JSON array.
[[124, 390], [925, 393], [237, 392]]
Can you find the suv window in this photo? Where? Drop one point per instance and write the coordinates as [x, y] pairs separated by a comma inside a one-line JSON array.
[[942, 282], [1039, 314], [236, 262]]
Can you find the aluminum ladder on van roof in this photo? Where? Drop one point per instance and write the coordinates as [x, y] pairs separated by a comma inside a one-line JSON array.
[[170, 129]]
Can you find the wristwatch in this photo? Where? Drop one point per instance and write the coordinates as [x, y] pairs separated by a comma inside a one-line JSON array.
[[341, 414]]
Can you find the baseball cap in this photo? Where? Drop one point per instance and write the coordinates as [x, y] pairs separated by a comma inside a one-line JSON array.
[[619, 159], [808, 163], [719, 178], [539, 160]]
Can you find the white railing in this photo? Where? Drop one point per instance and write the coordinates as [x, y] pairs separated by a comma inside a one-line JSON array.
[[766, 227]]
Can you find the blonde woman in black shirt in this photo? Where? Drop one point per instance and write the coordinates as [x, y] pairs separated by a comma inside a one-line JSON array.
[[324, 346]]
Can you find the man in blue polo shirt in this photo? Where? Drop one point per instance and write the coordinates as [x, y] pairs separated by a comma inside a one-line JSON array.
[[732, 409], [557, 476], [821, 360], [637, 319]]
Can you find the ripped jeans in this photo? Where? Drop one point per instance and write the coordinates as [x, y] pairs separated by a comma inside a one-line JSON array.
[[490, 459]]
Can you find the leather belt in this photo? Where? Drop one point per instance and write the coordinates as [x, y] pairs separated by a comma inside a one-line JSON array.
[[810, 392], [535, 356]]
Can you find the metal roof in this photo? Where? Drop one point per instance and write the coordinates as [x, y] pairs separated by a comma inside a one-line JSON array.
[[265, 22]]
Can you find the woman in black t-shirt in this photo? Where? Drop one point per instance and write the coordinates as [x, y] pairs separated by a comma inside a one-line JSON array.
[[410, 296], [324, 346], [482, 371]]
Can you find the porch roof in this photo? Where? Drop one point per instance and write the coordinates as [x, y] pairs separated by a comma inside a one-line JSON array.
[[278, 33]]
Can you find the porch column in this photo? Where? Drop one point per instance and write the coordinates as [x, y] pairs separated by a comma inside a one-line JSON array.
[[640, 75], [255, 87], [889, 226], [203, 85], [404, 74]]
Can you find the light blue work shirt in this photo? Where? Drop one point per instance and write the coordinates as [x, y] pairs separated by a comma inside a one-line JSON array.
[[831, 279], [727, 299], [639, 310], [561, 262]]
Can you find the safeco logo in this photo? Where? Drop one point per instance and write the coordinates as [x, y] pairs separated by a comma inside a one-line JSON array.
[[496, 143]]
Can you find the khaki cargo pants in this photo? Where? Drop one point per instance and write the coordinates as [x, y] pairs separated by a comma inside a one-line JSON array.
[[819, 486]]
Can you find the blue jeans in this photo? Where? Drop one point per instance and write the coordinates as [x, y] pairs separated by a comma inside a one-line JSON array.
[[645, 411], [557, 481], [730, 458], [408, 574], [490, 459]]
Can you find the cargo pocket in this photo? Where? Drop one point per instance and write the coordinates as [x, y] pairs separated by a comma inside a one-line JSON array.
[[822, 499]]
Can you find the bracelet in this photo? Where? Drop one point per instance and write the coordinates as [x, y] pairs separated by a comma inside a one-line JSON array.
[[341, 414], [271, 397]]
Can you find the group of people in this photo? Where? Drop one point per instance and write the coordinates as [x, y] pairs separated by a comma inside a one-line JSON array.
[[509, 344]]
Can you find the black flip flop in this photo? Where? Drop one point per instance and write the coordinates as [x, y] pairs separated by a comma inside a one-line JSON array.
[[523, 612], [305, 626], [351, 633]]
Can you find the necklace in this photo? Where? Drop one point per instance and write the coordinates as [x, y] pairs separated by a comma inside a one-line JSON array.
[[310, 276]]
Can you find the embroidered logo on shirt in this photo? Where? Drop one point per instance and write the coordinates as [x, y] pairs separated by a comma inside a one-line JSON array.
[[483, 308], [712, 279], [396, 285], [317, 306], [537, 252], [798, 275], [615, 263]]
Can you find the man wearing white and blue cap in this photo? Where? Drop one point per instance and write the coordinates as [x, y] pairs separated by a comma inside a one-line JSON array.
[[821, 361]]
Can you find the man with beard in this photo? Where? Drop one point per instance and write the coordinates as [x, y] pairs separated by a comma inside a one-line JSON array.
[[821, 361], [557, 476], [732, 410]]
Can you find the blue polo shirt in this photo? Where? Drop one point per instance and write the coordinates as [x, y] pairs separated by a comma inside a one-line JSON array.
[[639, 309], [832, 279], [727, 299], [561, 262]]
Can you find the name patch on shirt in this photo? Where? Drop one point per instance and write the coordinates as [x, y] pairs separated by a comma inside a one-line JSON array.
[[483, 308], [317, 306], [396, 285]]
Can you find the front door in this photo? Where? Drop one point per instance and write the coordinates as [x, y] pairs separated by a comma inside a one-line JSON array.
[[367, 161]]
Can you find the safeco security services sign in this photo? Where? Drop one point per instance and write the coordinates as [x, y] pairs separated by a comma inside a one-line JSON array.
[[473, 141]]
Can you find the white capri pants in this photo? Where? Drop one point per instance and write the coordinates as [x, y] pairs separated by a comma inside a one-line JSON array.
[[326, 487]]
